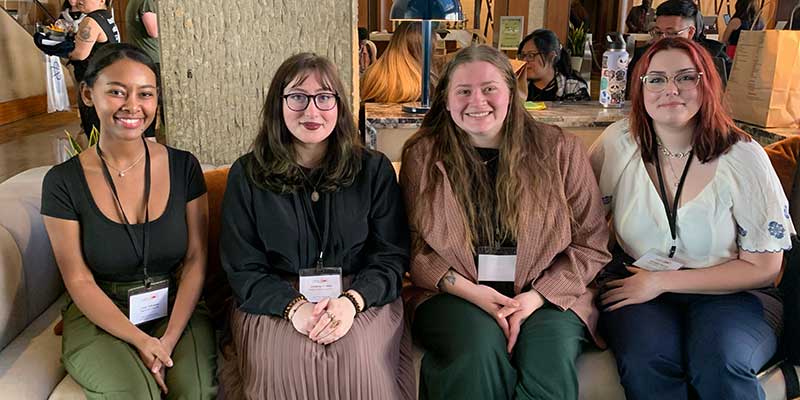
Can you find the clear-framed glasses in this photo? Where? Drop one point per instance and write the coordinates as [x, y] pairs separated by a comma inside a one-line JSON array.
[[656, 34], [657, 82], [300, 101], [529, 56]]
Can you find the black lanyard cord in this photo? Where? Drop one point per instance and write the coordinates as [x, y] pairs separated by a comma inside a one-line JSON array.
[[322, 241], [672, 214], [144, 253]]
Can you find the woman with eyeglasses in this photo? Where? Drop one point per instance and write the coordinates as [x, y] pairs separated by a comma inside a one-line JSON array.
[[549, 72], [314, 241], [698, 210]]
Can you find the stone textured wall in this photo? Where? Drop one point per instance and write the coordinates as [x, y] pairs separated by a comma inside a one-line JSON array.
[[218, 60]]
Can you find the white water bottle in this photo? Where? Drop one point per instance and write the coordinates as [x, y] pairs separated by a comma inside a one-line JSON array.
[[613, 76]]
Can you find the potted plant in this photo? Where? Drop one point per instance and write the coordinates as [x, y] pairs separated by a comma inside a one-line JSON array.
[[576, 43], [70, 146]]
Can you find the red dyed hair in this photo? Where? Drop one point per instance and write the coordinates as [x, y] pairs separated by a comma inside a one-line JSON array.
[[715, 131]]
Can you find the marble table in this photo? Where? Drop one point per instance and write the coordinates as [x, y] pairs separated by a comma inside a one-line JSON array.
[[388, 127]]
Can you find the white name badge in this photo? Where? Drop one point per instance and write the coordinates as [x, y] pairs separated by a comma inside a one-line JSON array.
[[496, 268], [652, 261], [147, 304], [317, 284]]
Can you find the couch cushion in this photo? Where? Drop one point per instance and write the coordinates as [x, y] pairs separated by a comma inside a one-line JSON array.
[[216, 289], [29, 365], [783, 155], [33, 283], [12, 322], [67, 389]]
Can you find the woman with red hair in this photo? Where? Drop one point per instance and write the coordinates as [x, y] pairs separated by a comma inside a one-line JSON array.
[[701, 217]]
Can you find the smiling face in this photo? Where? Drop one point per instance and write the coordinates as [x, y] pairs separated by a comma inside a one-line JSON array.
[[672, 107], [125, 98], [310, 126], [477, 99]]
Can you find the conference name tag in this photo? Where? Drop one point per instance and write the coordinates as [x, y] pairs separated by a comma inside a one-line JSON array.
[[496, 268], [317, 284], [652, 261], [148, 303]]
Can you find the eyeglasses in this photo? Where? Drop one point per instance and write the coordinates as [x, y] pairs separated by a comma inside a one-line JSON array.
[[656, 34], [656, 82], [300, 101], [530, 56]]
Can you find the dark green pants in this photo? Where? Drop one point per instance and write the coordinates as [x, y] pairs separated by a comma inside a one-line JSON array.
[[466, 357], [109, 368]]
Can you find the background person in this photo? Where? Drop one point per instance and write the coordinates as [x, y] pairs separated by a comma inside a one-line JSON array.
[[548, 69]]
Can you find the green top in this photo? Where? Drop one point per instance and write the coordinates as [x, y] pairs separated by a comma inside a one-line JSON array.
[[136, 32]]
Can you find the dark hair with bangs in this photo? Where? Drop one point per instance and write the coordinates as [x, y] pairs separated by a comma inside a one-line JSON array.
[[715, 132], [274, 166]]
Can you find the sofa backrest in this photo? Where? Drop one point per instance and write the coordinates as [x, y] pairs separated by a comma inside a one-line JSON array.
[[216, 290], [29, 277]]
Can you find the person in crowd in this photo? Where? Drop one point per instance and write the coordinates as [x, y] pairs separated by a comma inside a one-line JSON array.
[[367, 52], [71, 14], [548, 69], [396, 77], [507, 231], [96, 30], [679, 18], [743, 19], [141, 27], [127, 221], [701, 221], [314, 241], [641, 18]]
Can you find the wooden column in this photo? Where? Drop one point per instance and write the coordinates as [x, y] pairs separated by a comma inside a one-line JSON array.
[[557, 18]]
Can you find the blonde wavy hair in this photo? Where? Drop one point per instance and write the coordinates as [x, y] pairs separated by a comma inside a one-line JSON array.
[[396, 77]]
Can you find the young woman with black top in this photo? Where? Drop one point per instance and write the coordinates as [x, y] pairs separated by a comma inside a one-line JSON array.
[[743, 19], [127, 220], [95, 30], [549, 72], [310, 204]]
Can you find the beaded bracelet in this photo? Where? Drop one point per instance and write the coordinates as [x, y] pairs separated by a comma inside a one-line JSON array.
[[353, 300], [291, 304]]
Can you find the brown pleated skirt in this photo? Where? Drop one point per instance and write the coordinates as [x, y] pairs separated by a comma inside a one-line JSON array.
[[269, 359]]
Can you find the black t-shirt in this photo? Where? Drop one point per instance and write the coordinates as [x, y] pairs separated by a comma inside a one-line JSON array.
[[106, 246], [549, 93]]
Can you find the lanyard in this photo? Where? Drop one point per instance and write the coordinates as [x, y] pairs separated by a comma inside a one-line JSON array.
[[144, 253], [672, 215], [323, 241]]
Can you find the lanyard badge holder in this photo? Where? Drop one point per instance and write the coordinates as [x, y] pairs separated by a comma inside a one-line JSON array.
[[496, 264], [149, 301], [652, 260], [320, 282]]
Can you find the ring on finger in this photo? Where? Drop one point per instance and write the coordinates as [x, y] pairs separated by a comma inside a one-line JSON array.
[[330, 315]]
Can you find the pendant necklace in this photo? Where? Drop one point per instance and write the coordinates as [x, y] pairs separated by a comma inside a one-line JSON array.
[[122, 172], [314, 192]]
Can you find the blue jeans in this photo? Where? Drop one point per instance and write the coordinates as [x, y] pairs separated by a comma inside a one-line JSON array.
[[711, 345]]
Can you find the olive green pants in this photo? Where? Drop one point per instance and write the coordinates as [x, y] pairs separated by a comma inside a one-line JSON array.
[[109, 368], [466, 357]]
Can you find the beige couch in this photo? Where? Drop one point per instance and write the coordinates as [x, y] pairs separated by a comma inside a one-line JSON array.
[[31, 295]]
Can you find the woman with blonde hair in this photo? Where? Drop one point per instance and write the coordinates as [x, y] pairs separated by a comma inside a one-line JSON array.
[[507, 231], [396, 77]]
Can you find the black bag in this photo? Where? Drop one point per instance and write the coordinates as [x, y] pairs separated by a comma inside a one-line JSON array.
[[62, 49]]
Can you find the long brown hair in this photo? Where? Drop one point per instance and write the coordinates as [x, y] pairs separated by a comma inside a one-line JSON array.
[[715, 132], [522, 154], [396, 76], [274, 166]]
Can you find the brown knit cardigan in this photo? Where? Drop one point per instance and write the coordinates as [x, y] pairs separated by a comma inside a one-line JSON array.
[[557, 259]]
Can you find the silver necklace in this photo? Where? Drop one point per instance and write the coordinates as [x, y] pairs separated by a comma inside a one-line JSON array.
[[671, 154], [314, 192], [675, 179], [122, 172]]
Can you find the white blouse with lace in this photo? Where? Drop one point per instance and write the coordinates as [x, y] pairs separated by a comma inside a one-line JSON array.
[[742, 208]]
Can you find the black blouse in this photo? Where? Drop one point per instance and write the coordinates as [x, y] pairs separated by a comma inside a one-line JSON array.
[[267, 237], [107, 248]]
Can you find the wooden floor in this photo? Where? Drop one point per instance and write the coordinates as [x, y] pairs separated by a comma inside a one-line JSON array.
[[32, 142]]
